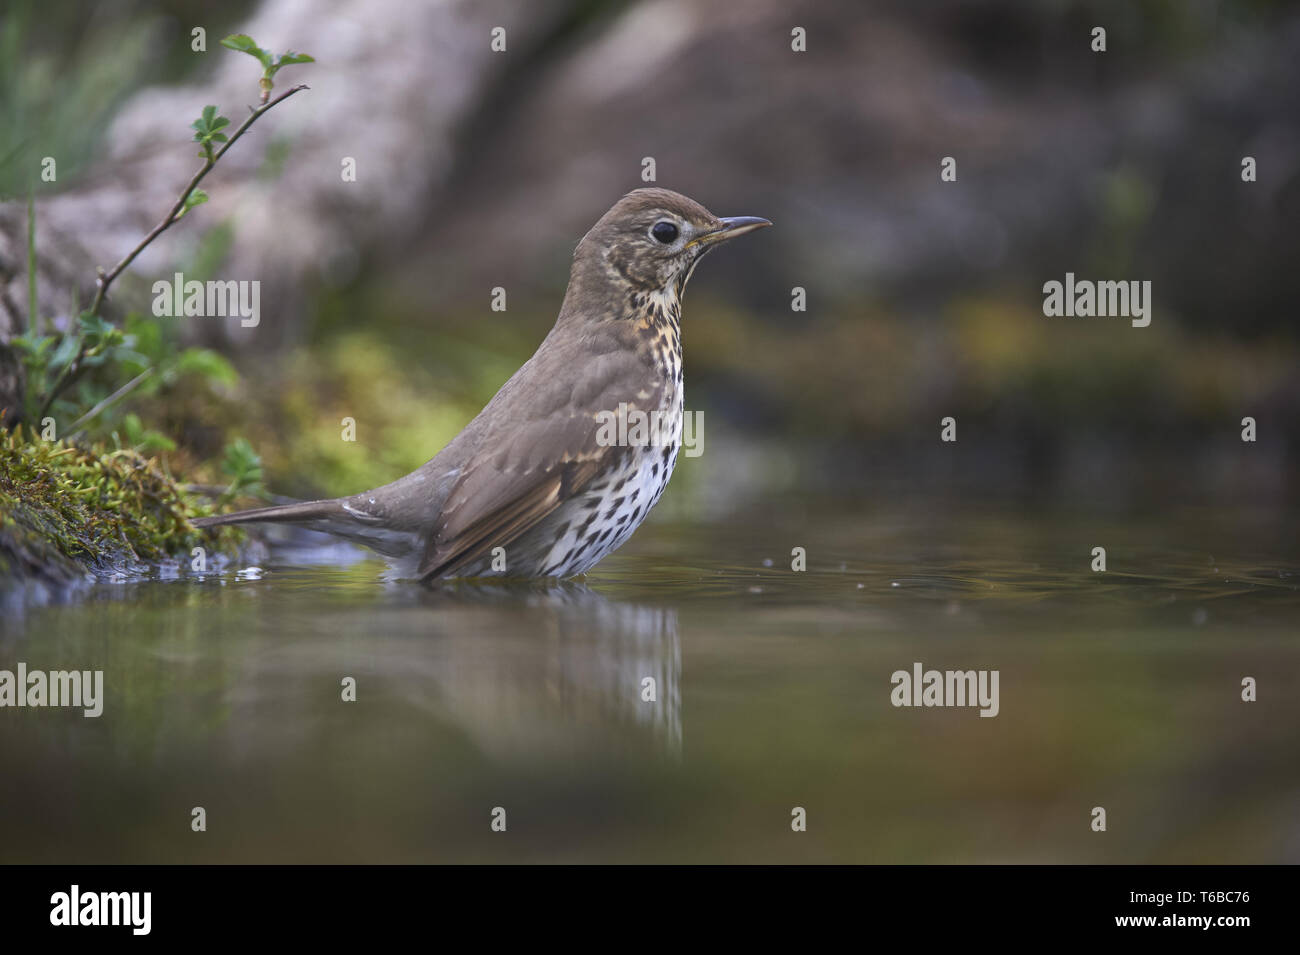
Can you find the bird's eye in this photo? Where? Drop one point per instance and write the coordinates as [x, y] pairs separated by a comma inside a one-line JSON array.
[[665, 232]]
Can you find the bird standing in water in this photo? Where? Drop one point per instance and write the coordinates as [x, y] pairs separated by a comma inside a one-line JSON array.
[[536, 472]]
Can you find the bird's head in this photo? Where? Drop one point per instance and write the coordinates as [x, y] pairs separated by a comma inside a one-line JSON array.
[[652, 238]]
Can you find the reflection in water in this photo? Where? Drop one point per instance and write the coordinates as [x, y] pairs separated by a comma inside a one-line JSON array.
[[591, 662]]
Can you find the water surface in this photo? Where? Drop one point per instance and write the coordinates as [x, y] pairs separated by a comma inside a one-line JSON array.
[[772, 691]]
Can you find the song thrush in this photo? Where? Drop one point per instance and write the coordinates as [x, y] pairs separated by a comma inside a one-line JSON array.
[[536, 473]]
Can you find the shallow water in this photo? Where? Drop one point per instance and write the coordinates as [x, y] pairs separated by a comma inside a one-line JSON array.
[[773, 691]]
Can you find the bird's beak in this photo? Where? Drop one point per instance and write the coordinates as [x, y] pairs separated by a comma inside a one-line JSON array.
[[731, 227]]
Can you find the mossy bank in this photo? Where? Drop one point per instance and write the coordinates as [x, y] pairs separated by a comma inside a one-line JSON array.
[[71, 514]]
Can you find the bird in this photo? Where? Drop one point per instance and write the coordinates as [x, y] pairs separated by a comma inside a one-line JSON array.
[[547, 479]]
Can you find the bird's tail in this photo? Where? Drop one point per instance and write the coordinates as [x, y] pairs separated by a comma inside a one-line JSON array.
[[332, 517], [299, 513]]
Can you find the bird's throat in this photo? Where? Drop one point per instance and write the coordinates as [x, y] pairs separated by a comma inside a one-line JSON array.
[[657, 325]]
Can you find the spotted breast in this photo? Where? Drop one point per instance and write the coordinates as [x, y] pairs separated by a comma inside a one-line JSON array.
[[598, 521]]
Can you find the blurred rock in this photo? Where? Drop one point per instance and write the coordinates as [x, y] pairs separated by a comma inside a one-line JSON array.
[[1064, 158], [391, 84]]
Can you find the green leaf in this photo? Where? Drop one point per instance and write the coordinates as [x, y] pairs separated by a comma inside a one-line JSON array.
[[93, 325], [142, 438], [155, 441], [66, 351], [205, 130], [240, 458], [288, 58], [244, 467], [146, 336], [244, 43], [207, 364], [33, 347], [132, 428], [240, 41], [196, 198]]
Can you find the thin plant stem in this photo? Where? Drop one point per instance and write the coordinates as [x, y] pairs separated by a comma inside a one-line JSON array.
[[112, 399], [105, 279], [31, 260]]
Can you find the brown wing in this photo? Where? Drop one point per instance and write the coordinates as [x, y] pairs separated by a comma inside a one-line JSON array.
[[539, 448]]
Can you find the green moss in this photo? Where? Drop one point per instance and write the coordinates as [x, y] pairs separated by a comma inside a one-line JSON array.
[[402, 418], [63, 505]]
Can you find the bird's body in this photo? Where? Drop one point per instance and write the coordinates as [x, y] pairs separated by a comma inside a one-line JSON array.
[[537, 485]]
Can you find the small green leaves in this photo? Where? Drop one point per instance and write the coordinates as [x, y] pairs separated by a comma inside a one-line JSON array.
[[145, 440], [32, 348], [207, 364], [56, 363], [271, 65], [100, 340], [196, 198], [96, 330], [206, 132], [245, 469]]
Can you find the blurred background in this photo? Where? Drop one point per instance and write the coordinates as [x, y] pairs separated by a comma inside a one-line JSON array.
[[478, 169]]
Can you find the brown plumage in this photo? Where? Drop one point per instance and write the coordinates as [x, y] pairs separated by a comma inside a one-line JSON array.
[[534, 473]]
